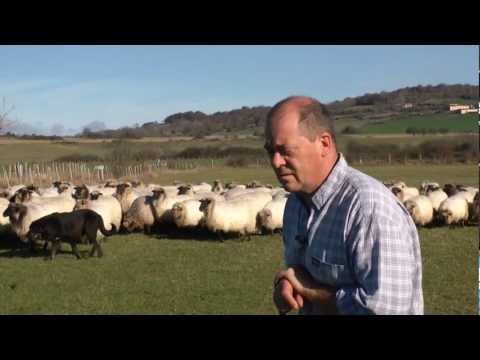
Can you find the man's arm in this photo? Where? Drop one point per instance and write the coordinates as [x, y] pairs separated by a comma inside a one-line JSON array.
[[304, 285], [383, 261]]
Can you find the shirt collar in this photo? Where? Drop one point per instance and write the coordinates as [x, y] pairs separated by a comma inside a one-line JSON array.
[[331, 183]]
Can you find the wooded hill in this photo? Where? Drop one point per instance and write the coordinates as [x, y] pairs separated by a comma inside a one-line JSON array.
[[417, 100]]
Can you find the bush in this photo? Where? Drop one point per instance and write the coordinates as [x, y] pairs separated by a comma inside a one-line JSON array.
[[351, 130], [237, 162]]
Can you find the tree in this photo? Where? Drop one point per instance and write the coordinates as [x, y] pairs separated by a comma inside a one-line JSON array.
[[5, 120], [411, 130]]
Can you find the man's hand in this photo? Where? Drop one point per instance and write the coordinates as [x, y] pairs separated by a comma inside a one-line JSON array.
[[304, 285], [285, 297]]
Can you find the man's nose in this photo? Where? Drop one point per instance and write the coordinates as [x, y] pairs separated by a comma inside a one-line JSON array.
[[277, 160]]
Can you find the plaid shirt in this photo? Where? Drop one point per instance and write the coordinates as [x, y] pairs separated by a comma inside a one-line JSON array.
[[358, 238]]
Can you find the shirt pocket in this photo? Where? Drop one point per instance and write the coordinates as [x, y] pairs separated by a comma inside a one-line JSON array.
[[325, 272]]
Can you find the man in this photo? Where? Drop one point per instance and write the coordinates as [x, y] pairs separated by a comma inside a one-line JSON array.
[[350, 245]]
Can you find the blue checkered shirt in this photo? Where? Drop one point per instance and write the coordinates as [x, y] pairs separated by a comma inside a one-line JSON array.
[[358, 238]]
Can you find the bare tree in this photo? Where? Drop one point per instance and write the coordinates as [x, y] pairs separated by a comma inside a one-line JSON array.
[[5, 120]]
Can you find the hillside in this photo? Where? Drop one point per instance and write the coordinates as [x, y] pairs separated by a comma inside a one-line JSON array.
[[356, 111]]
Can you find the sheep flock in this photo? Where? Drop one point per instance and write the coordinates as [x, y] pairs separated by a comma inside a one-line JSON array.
[[216, 209]]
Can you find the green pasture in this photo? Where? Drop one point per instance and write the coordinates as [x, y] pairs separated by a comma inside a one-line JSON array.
[[453, 122], [142, 274], [191, 273]]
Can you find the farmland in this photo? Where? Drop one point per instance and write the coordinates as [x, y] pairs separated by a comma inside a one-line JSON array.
[[455, 123], [185, 273]]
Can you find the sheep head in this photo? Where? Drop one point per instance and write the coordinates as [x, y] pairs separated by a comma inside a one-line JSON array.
[[159, 194], [204, 204], [184, 190], [80, 192], [16, 212], [94, 195]]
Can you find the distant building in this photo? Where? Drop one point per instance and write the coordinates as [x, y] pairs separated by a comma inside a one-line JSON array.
[[466, 111], [456, 107]]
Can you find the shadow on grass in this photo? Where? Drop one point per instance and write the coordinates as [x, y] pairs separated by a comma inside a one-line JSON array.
[[11, 246], [171, 232]]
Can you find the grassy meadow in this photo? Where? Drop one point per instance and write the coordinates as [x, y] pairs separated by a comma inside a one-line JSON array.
[[456, 123], [185, 273]]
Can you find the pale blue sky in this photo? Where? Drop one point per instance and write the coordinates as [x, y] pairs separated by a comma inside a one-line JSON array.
[[124, 85]]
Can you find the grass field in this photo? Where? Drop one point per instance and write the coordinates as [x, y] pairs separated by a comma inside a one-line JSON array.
[[166, 275], [32, 151], [150, 275], [453, 122]]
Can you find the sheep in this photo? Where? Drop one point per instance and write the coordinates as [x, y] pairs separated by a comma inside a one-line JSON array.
[[217, 186], [428, 186], [393, 183], [126, 196], [436, 197], [3, 206], [141, 215], [107, 207], [450, 189], [420, 209], [187, 214], [163, 204], [13, 189], [234, 216], [403, 194], [279, 193], [468, 194], [270, 218], [453, 210], [25, 196], [22, 215], [233, 193], [202, 187], [475, 216]]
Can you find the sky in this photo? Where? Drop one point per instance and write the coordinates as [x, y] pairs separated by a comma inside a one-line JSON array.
[[62, 89]]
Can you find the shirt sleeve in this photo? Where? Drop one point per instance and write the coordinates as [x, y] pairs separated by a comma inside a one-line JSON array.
[[383, 264]]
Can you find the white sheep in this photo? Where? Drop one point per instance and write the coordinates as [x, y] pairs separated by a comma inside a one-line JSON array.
[[420, 209], [234, 216], [454, 210], [126, 195], [236, 192], [187, 214], [107, 207], [405, 193], [22, 215], [202, 187], [270, 218], [436, 197], [217, 186], [141, 215], [476, 208], [428, 186], [3, 206], [163, 204]]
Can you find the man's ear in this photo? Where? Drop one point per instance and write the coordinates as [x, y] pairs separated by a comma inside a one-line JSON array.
[[325, 143]]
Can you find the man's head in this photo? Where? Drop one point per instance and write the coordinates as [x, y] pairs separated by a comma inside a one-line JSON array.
[[300, 140]]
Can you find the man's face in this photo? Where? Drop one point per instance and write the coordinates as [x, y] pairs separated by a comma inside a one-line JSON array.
[[294, 158]]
